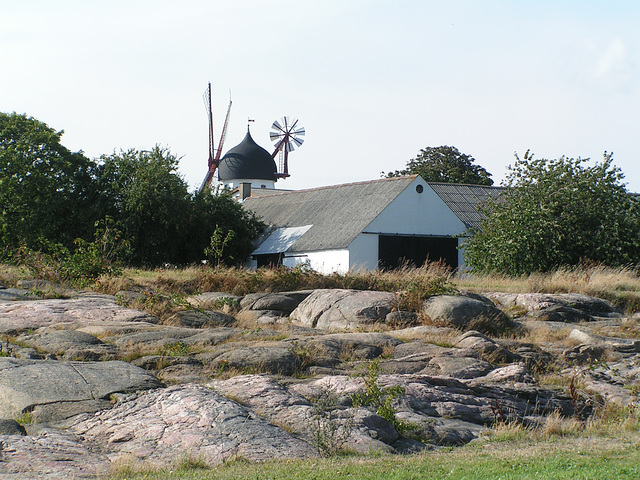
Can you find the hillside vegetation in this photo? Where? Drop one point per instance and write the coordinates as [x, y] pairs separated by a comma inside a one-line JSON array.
[[620, 286]]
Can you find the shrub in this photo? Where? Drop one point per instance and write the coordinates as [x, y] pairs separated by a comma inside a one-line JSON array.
[[555, 213], [380, 398]]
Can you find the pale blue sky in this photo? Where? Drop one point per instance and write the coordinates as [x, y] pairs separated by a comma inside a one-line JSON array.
[[373, 82]]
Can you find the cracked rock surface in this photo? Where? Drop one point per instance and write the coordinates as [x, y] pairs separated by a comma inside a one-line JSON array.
[[87, 384]]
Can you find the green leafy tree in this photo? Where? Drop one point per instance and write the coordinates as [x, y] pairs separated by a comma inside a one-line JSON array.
[[150, 202], [162, 222], [52, 199], [47, 193], [222, 228], [444, 164], [556, 213]]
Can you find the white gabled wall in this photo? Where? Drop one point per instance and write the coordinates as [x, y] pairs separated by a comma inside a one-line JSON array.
[[413, 213], [410, 213], [255, 184]]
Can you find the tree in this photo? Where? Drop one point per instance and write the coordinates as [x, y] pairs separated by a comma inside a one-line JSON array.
[[150, 202], [47, 193], [223, 228], [50, 197], [556, 213], [161, 221], [444, 164]]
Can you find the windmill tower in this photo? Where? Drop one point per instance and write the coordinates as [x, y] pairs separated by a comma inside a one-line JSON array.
[[248, 163], [286, 135]]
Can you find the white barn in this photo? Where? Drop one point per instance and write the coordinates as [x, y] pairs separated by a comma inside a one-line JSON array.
[[367, 225]]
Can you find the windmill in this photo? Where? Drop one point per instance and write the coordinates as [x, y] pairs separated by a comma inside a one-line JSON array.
[[214, 154], [286, 135]]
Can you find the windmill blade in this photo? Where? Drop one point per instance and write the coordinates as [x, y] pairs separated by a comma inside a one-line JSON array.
[[287, 136], [223, 134]]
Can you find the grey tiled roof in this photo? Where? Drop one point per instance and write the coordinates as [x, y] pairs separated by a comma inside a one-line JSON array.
[[338, 213], [464, 200]]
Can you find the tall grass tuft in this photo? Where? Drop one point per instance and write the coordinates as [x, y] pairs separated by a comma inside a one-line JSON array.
[[432, 279], [621, 285]]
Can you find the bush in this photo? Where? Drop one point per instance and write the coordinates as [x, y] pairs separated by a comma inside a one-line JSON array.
[[380, 398], [557, 213], [80, 266]]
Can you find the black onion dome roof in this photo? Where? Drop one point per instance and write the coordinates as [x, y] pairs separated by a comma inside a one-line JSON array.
[[247, 160]]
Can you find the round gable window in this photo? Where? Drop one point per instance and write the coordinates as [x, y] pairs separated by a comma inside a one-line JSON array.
[[419, 188]]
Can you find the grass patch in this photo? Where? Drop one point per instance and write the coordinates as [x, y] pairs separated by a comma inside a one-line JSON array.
[[415, 282], [588, 458], [25, 418]]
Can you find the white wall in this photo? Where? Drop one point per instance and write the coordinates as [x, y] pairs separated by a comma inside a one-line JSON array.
[[326, 262], [363, 252], [329, 261], [255, 184], [413, 213]]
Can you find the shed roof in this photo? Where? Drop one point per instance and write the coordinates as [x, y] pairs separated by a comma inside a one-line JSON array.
[[337, 213], [464, 200]]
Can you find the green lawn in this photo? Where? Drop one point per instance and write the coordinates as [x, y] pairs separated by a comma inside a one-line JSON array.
[[589, 458]]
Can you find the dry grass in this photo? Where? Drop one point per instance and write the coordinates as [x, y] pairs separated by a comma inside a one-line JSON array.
[[540, 333], [9, 275], [614, 420], [241, 281], [610, 420], [618, 285], [627, 328]]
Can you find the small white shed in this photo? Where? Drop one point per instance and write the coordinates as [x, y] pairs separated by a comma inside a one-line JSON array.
[[367, 225]]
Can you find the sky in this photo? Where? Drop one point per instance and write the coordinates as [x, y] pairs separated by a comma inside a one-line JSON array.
[[372, 81]]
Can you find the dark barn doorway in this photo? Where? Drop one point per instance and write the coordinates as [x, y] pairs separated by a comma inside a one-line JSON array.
[[398, 250], [269, 260]]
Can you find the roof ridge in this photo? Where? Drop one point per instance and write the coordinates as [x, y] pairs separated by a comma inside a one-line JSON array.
[[464, 184], [325, 187]]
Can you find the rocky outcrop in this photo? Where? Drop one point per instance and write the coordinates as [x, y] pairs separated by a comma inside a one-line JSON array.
[[342, 309], [68, 345], [466, 313], [282, 369], [18, 317], [214, 300], [51, 390], [200, 319], [556, 307], [166, 426], [270, 308], [51, 454]]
